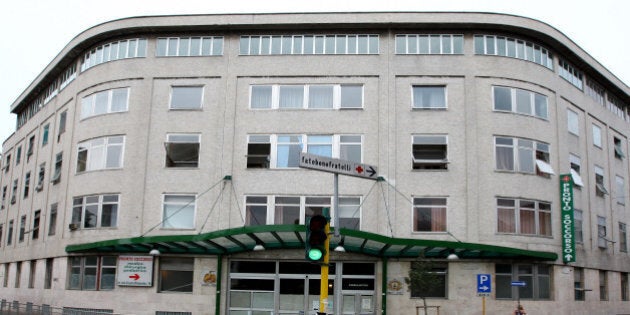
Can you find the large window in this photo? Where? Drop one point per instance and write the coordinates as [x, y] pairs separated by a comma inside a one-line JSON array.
[[537, 278], [620, 190], [576, 164], [309, 44], [597, 136], [438, 288], [283, 151], [429, 97], [186, 97], [624, 286], [570, 73], [424, 44], [603, 285], [105, 102], [179, 211], [97, 211], [618, 148], [36, 224], [523, 156], [27, 184], [578, 284], [41, 174], [91, 273], [623, 237], [182, 150], [578, 223], [56, 177], [600, 189], [100, 153], [520, 101], [429, 214], [176, 274], [10, 233], [429, 152], [602, 240], [573, 122], [526, 217], [595, 91], [190, 46], [514, 48], [52, 220], [14, 191], [128, 48], [306, 96], [22, 229], [262, 210]]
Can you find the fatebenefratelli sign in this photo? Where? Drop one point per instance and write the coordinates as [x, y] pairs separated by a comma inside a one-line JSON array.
[[566, 210], [326, 164]]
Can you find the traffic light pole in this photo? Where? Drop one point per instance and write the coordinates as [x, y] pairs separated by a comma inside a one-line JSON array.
[[323, 284]]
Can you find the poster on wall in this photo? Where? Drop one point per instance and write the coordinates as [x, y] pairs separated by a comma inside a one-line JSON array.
[[135, 271]]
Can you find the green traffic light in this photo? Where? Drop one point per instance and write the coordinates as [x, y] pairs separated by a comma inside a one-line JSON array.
[[315, 254]]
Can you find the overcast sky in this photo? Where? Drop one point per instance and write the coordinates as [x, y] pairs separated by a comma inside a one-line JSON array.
[[33, 32]]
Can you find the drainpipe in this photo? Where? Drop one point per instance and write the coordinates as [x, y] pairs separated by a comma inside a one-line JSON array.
[[217, 300], [384, 287]]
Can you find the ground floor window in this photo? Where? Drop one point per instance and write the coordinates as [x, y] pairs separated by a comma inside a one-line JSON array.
[[176, 274], [92, 273], [438, 275], [536, 277]]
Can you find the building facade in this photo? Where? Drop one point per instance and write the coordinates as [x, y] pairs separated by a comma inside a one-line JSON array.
[[155, 168]]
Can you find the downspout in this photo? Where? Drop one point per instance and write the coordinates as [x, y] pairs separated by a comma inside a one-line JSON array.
[[384, 287], [217, 300]]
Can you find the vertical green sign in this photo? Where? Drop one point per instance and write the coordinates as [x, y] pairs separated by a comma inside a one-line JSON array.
[[566, 210]]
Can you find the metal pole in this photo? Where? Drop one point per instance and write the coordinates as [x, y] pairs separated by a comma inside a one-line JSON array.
[[323, 284], [483, 305], [336, 204]]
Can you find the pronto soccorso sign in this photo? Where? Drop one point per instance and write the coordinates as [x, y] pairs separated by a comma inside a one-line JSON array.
[[566, 211]]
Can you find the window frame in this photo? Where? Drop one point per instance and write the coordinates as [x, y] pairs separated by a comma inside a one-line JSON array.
[[514, 102], [185, 107], [600, 189], [540, 154], [430, 141], [80, 264], [185, 139], [519, 211], [81, 205], [573, 122], [87, 161], [180, 206], [442, 211], [182, 269], [90, 102], [623, 237], [602, 241], [536, 281], [416, 90], [164, 46], [273, 101]]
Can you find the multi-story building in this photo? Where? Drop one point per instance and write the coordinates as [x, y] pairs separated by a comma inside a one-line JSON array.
[[155, 167]]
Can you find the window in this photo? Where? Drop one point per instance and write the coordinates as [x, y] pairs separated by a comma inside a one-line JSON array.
[[14, 191], [92, 273], [600, 189], [123, 49], [95, 211], [40, 177], [100, 153], [105, 102], [176, 274], [624, 286], [573, 122], [10, 233], [190, 46], [258, 151], [597, 136], [568, 72], [578, 283], [36, 222], [62, 125], [48, 273], [422, 44], [595, 91], [18, 155], [27, 184], [429, 152], [31, 146], [577, 223], [575, 164], [513, 48], [603, 285], [287, 209], [350, 213], [522, 155], [429, 97], [256, 210], [18, 273], [537, 277], [182, 150], [57, 175], [22, 229], [520, 101], [623, 238], [52, 220], [438, 288], [525, 217], [45, 134], [429, 214], [618, 148], [4, 196], [1, 233], [309, 44], [6, 275], [31, 275], [601, 232], [179, 211], [616, 106], [186, 97], [7, 163], [620, 190], [306, 96]]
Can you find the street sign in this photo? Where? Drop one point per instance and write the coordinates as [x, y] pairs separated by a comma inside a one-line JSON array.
[[337, 166], [568, 222], [135, 271], [518, 284], [484, 284]]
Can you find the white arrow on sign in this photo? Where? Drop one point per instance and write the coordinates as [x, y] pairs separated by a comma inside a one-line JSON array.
[[338, 166]]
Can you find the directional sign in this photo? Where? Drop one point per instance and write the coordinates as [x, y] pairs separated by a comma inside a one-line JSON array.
[[518, 283], [568, 222], [345, 167], [135, 271], [484, 284]]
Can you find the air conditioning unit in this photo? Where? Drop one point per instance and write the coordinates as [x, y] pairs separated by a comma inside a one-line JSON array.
[[73, 226]]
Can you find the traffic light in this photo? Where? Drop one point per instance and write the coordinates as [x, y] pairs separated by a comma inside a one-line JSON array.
[[316, 238]]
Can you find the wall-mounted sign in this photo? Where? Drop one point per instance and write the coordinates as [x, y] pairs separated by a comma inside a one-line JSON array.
[[209, 278], [135, 271], [566, 212], [395, 287]]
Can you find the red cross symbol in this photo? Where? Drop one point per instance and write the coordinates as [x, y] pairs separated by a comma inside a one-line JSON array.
[[359, 169]]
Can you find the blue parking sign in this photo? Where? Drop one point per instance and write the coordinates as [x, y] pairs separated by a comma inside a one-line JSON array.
[[484, 283]]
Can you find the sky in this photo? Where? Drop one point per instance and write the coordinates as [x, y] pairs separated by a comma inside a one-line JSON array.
[[33, 32]]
